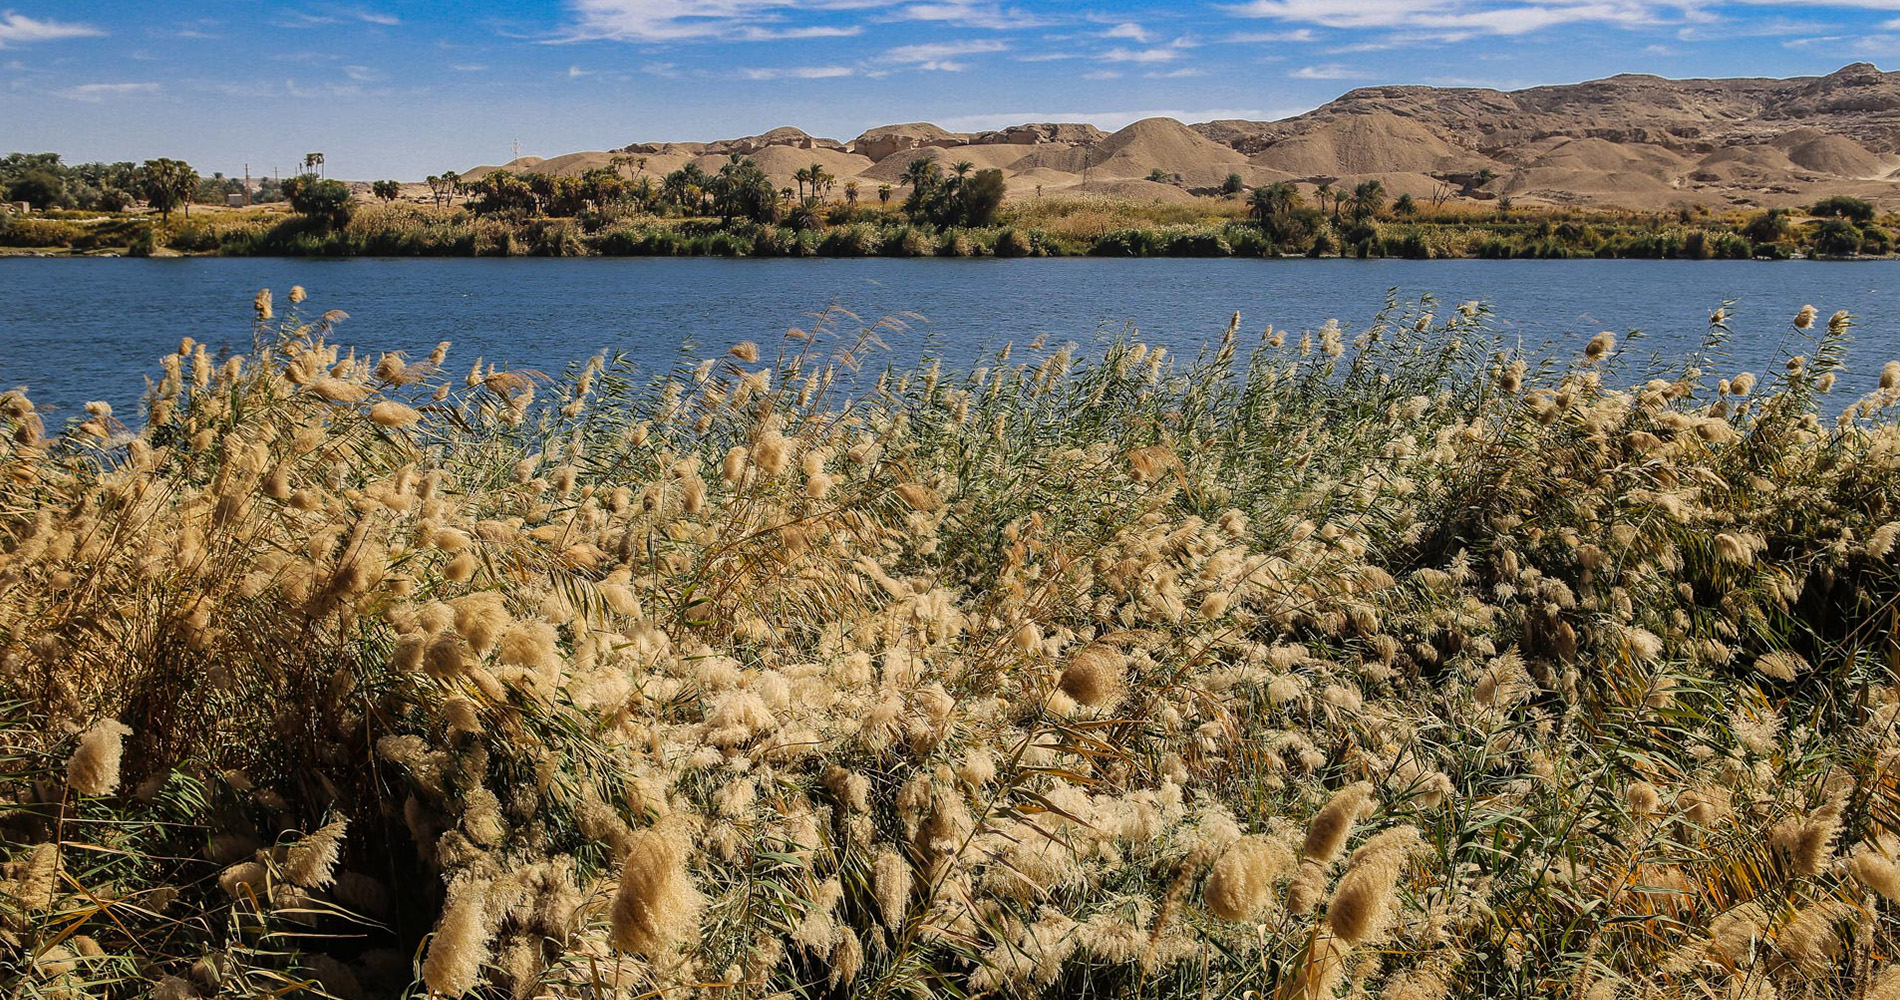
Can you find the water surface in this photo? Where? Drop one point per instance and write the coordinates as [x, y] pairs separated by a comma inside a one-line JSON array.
[[79, 329]]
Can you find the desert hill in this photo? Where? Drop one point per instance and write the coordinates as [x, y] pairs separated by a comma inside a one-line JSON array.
[[1635, 141]]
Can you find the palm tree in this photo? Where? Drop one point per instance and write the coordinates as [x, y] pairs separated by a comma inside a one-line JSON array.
[[851, 193], [1368, 200], [1272, 203], [820, 180], [883, 194], [801, 175], [920, 173]]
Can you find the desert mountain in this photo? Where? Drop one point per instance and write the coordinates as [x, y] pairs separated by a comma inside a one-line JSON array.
[[1634, 141]]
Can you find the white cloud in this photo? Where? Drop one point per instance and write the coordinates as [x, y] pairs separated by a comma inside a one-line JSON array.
[[941, 55], [16, 29], [1129, 30], [1328, 71], [685, 20], [1109, 120], [1502, 17], [772, 20], [1461, 19], [362, 74], [1270, 37], [1176, 74], [799, 73], [93, 93], [757, 34], [1160, 54], [972, 14], [1102, 74]]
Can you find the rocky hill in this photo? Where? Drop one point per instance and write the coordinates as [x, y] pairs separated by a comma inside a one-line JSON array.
[[1635, 141]]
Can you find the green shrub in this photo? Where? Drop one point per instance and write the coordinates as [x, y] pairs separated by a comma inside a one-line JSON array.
[[1127, 243], [30, 232]]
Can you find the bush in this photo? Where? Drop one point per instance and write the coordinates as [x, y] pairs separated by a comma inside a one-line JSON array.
[[1127, 243], [1728, 246], [27, 232], [1842, 206], [327, 203], [1411, 246], [1013, 242], [1195, 243], [1837, 238]]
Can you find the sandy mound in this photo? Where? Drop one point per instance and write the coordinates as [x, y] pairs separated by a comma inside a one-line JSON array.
[[1003, 157], [781, 162], [1837, 155], [1361, 144], [1761, 157], [518, 165], [1167, 145], [1601, 156], [576, 164], [1133, 190]]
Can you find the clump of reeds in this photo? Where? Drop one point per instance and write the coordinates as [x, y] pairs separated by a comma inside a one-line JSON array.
[[1390, 660]]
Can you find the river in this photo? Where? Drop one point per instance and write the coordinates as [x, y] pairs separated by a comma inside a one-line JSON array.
[[73, 330]]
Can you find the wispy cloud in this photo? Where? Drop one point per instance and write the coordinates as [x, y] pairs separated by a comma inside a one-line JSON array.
[[800, 73], [1109, 120], [1327, 71], [337, 15], [1293, 36], [1157, 54], [688, 20], [974, 15], [943, 56], [19, 29], [93, 93], [1129, 30], [1501, 17]]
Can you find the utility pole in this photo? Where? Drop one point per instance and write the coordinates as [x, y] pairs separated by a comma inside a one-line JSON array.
[[517, 148]]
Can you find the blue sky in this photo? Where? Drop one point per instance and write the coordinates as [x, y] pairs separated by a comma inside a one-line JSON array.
[[402, 88]]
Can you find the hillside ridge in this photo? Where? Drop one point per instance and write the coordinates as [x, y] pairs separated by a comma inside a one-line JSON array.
[[1631, 140]]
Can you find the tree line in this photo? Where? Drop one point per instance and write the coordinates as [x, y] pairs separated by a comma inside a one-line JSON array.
[[738, 190], [43, 181]]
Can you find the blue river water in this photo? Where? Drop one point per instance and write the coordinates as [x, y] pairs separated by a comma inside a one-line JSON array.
[[73, 330]]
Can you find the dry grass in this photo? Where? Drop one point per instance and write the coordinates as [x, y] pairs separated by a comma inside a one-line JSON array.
[[1386, 661]]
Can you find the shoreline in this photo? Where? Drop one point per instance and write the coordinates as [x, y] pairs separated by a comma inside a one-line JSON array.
[[123, 253]]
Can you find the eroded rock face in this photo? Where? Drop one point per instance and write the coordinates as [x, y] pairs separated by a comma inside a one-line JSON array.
[[1859, 102], [886, 140]]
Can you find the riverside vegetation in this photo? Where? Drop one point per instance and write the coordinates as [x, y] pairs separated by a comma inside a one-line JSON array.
[[1391, 662], [958, 212]]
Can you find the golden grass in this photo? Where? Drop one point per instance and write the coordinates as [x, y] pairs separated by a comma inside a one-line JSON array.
[[1383, 661]]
